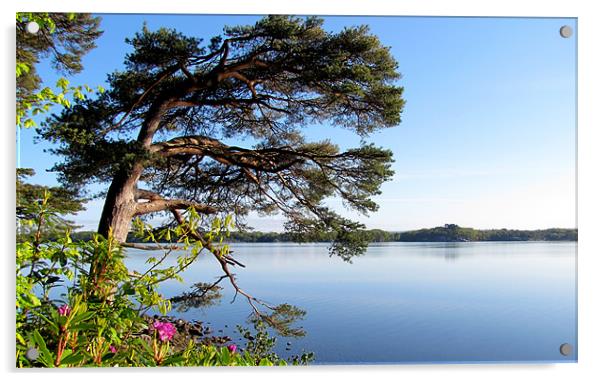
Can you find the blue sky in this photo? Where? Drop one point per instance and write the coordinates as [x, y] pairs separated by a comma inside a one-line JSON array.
[[488, 134]]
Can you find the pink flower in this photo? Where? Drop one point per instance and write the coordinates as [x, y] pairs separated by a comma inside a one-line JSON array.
[[113, 349], [232, 348], [64, 310], [165, 330]]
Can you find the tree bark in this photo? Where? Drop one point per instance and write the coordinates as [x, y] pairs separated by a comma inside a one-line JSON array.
[[120, 204], [121, 201]]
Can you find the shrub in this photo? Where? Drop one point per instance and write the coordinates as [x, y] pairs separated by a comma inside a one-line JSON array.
[[100, 318]]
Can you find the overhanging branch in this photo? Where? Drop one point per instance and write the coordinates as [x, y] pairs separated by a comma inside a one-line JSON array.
[[266, 160], [160, 205], [157, 203]]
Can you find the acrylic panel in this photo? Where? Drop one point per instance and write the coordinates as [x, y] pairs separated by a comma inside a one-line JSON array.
[[281, 190]]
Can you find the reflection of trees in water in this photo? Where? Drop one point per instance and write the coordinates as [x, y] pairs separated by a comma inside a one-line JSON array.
[[451, 255], [449, 251], [281, 317], [202, 295]]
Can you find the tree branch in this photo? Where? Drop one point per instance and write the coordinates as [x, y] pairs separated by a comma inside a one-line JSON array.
[[158, 205], [223, 261], [147, 195], [149, 247], [265, 160]]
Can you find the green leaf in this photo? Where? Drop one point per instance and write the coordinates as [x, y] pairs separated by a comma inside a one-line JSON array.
[[45, 356], [127, 289], [265, 362], [78, 94], [63, 83], [22, 68], [83, 327], [81, 317], [73, 358], [52, 324], [20, 338], [176, 359], [32, 300]]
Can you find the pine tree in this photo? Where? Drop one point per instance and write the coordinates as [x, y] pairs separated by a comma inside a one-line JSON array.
[[158, 136]]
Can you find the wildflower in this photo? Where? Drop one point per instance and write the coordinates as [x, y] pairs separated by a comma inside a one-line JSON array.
[[112, 349], [166, 330], [232, 348], [64, 310]]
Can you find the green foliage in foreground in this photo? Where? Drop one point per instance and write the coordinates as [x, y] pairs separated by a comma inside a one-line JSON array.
[[101, 317]]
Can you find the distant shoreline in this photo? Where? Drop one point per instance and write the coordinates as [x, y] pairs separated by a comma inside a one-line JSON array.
[[447, 233]]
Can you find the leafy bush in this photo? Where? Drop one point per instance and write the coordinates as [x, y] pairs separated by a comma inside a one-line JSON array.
[[100, 318]]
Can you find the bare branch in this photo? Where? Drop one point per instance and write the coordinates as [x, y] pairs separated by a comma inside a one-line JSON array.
[[147, 195], [222, 260], [158, 205], [226, 49], [150, 247]]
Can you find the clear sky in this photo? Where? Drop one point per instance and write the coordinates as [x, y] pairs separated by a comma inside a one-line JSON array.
[[488, 134]]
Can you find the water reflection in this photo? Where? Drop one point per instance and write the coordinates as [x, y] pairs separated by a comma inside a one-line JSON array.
[[407, 302]]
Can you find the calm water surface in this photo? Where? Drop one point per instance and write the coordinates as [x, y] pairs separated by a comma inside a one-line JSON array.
[[405, 302]]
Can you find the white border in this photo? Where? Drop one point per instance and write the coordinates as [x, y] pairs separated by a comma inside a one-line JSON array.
[[589, 191]]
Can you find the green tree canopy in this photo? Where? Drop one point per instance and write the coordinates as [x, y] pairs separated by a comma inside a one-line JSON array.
[[159, 134], [64, 38], [60, 202]]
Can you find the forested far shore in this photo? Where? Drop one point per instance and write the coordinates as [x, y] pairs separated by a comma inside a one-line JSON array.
[[447, 233]]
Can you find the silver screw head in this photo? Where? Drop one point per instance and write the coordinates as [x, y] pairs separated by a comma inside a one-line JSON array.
[[32, 354], [566, 31], [32, 27], [566, 349]]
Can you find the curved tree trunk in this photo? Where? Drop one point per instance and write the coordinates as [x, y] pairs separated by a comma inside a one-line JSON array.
[[120, 204]]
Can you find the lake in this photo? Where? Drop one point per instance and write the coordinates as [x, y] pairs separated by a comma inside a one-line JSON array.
[[405, 302]]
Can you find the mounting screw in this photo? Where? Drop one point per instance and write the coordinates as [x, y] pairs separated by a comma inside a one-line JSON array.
[[32, 27], [566, 31], [32, 354], [566, 349]]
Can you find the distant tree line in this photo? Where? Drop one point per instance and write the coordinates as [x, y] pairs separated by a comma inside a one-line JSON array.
[[447, 233], [455, 233]]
